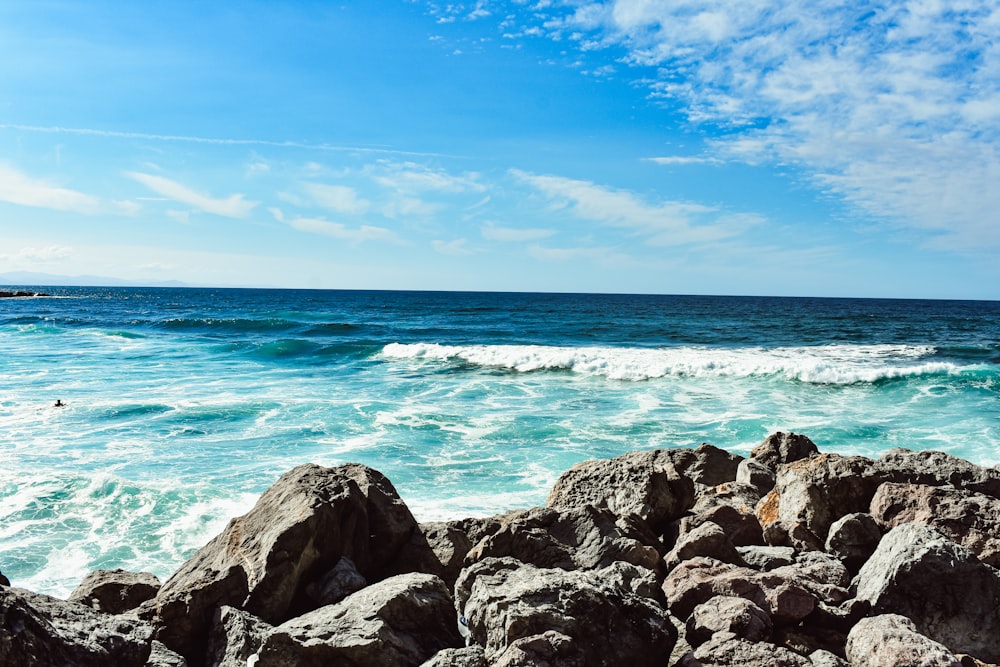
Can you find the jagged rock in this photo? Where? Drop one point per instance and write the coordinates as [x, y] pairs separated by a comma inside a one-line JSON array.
[[263, 561], [782, 448], [470, 656], [810, 494], [728, 614], [437, 548], [161, 656], [400, 621], [115, 591], [727, 650], [840, 617], [478, 528], [643, 483], [4, 581], [821, 658], [505, 600], [939, 469], [805, 639], [342, 580], [756, 475], [571, 539], [972, 519], [549, 649], [891, 640], [707, 539], [706, 465], [697, 580], [819, 573], [853, 538], [766, 558], [235, 636], [950, 596], [731, 505], [41, 631]]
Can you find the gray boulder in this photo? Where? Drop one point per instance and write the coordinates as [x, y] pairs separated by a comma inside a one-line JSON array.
[[41, 631], [723, 613], [766, 558], [949, 595], [890, 640], [972, 519], [115, 591], [780, 448], [4, 581], [727, 650], [440, 548], [732, 506], [853, 538], [601, 611], [339, 582], [706, 465], [401, 621], [235, 636], [646, 484], [707, 539], [263, 561], [756, 475], [573, 538], [822, 658], [939, 469], [161, 656], [470, 656], [549, 649]]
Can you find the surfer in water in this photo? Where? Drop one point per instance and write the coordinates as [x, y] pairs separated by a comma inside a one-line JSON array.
[[59, 404]]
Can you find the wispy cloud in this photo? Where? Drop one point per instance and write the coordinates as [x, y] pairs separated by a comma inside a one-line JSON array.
[[411, 177], [338, 198], [338, 230], [49, 253], [682, 160], [233, 206], [666, 223], [454, 247], [492, 232], [23, 190]]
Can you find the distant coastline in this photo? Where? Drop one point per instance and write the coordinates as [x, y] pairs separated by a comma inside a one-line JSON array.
[[19, 294]]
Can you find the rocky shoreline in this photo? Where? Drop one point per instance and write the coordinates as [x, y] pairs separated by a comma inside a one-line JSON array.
[[692, 557], [18, 294]]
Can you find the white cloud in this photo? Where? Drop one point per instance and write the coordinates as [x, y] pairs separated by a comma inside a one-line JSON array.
[[667, 223], [18, 188], [410, 177], [602, 255], [338, 198], [233, 206], [45, 254], [492, 232], [683, 160], [340, 231], [455, 247]]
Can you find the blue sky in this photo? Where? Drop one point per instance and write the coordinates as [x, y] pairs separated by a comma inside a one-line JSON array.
[[761, 147]]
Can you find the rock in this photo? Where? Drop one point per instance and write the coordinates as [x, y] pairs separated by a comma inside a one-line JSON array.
[[115, 591], [19, 294], [471, 656], [939, 469], [4, 581], [972, 519], [821, 658], [840, 617], [805, 639], [728, 614], [549, 649], [707, 539], [478, 528], [336, 584], [950, 596], [731, 505], [573, 538], [819, 573], [438, 548], [781, 448], [707, 465], [891, 640], [810, 494], [726, 650], [235, 636], [263, 561], [643, 483], [853, 538], [41, 631], [400, 621], [755, 474], [505, 600], [161, 656], [766, 558], [697, 580]]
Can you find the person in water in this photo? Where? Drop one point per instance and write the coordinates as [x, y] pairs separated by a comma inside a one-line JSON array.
[[59, 404]]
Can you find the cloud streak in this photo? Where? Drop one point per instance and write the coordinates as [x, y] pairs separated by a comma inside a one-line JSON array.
[[233, 206], [23, 190]]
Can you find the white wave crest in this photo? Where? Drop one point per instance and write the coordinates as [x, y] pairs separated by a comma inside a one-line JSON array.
[[822, 364]]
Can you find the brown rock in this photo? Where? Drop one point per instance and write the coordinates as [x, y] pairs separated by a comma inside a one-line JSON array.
[[939, 469], [730, 505], [115, 591], [890, 640], [726, 650], [706, 539], [853, 538], [781, 448], [728, 614], [707, 465]]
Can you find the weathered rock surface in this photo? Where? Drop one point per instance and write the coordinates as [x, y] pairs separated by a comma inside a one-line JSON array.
[[549, 649], [643, 483], [706, 465], [766, 558], [970, 518], [949, 595], [161, 656], [728, 614], [732, 506], [298, 530], [40, 631], [727, 650], [470, 656], [439, 548], [939, 469], [339, 582], [115, 591], [890, 640], [4, 581], [401, 621], [505, 600], [782, 448], [853, 538], [707, 539], [756, 475], [574, 538], [235, 636]]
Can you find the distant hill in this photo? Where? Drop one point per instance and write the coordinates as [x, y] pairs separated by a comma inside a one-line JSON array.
[[33, 279]]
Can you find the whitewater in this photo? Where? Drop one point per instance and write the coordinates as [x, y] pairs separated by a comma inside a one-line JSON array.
[[183, 405]]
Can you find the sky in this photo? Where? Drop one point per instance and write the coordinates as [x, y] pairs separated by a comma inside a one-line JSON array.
[[766, 147]]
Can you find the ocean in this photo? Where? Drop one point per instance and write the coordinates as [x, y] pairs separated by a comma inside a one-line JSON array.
[[183, 405]]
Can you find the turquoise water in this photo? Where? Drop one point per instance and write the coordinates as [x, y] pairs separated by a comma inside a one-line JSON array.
[[183, 405]]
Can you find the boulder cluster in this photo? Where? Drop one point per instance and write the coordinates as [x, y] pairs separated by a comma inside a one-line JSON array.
[[689, 557]]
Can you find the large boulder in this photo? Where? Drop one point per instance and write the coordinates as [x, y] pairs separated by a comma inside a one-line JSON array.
[[780, 448], [41, 631], [949, 595], [606, 613], [724, 613], [234, 638], [398, 622], [732, 506], [263, 561], [811, 494], [646, 484], [727, 650], [706, 539], [939, 469], [706, 465], [972, 519], [891, 640], [439, 548], [853, 538], [549, 649], [470, 656], [573, 538], [4, 581], [115, 591]]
